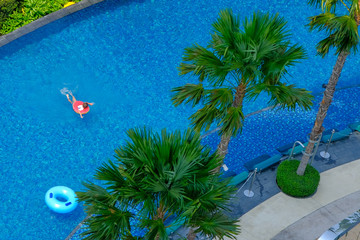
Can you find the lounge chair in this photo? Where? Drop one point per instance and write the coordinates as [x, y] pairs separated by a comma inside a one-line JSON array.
[[355, 126], [250, 165], [268, 162], [329, 131], [286, 149], [262, 162], [337, 135], [226, 174], [175, 226], [239, 178], [297, 150]]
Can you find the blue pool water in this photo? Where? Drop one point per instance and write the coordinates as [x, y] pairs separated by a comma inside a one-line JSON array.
[[266, 131], [123, 55]]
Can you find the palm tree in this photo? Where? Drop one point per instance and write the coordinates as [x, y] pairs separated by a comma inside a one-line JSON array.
[[163, 176], [238, 65], [342, 34]]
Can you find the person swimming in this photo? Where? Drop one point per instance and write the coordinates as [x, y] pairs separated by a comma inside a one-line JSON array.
[[78, 106]]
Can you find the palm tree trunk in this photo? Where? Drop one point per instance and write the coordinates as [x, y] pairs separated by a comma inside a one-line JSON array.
[[160, 214], [223, 145], [222, 148], [191, 234], [324, 106], [77, 228]]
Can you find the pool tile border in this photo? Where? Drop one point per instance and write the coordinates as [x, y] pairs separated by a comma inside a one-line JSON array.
[[5, 39]]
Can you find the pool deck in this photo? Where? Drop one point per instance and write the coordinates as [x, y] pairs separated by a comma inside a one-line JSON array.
[[281, 217], [270, 214]]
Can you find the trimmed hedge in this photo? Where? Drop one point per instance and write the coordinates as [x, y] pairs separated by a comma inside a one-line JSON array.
[[294, 185]]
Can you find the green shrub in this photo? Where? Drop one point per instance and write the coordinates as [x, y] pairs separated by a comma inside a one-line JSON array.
[[30, 11], [7, 7], [294, 185]]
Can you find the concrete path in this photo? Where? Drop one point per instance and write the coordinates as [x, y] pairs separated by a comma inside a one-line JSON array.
[[284, 217], [317, 222]]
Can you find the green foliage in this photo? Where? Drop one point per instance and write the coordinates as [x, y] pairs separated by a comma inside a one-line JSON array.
[[189, 93], [341, 29], [238, 64], [30, 11], [164, 175], [284, 96], [295, 185], [215, 225], [7, 7]]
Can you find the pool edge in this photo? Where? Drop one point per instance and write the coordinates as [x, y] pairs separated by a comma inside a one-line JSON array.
[[5, 39]]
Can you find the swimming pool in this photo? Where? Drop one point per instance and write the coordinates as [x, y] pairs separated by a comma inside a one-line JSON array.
[[122, 55]]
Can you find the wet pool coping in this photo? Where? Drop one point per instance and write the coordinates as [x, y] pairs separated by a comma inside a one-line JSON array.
[[5, 39]]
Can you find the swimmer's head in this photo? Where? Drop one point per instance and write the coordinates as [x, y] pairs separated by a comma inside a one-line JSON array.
[[85, 105]]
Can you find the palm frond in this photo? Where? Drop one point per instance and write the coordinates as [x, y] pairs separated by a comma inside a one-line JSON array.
[[221, 98], [324, 21], [330, 5], [156, 229], [316, 3], [293, 54], [203, 118], [203, 63], [231, 122], [354, 9], [347, 38], [93, 196], [279, 61], [137, 150], [108, 224], [216, 197], [216, 225], [266, 27], [286, 96], [226, 26], [323, 47], [111, 173], [185, 166], [226, 30], [260, 50], [327, 5], [342, 32], [188, 93]]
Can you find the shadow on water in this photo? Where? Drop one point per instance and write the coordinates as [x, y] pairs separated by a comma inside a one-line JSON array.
[[60, 24], [77, 213]]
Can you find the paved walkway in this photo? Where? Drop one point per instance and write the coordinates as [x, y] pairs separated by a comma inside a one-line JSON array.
[[284, 217], [281, 217], [317, 222]]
